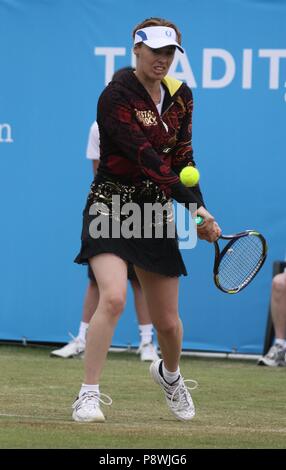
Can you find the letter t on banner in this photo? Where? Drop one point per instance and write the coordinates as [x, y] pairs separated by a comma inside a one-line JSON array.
[[110, 53]]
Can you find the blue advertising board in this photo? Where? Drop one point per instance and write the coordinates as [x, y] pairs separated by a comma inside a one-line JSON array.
[[56, 58]]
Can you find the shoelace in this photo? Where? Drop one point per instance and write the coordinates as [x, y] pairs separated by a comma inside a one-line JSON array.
[[182, 390], [275, 350], [142, 346], [90, 397], [79, 344], [74, 339]]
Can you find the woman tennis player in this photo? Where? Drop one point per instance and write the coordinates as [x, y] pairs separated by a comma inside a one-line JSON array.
[[145, 121]]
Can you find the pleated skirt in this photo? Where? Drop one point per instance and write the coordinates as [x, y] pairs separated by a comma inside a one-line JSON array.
[[153, 253]]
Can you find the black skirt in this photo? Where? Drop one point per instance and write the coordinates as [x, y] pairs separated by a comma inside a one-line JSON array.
[[144, 240]]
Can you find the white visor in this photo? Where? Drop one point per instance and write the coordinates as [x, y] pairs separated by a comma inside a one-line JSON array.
[[157, 36]]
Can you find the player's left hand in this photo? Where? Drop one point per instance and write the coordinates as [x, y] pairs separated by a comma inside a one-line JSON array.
[[209, 230]]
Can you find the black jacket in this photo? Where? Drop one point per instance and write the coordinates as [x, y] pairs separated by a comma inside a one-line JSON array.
[[134, 142]]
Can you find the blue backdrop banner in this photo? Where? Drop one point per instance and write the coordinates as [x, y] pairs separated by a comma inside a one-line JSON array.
[[56, 57]]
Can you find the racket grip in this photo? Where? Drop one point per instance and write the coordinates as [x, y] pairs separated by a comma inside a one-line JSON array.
[[199, 220]]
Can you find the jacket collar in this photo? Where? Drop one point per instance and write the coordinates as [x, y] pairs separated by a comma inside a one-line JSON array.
[[130, 81]]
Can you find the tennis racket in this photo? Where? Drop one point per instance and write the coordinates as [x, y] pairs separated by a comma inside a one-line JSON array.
[[236, 265]]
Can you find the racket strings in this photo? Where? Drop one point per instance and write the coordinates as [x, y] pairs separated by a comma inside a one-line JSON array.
[[240, 262]]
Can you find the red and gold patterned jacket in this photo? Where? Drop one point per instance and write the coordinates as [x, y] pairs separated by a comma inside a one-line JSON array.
[[136, 143]]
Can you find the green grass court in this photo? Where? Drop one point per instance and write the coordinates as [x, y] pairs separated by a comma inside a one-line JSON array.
[[239, 405]]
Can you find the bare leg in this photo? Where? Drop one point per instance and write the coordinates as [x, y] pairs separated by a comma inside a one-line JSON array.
[[90, 301], [161, 294], [140, 304], [147, 349], [278, 305], [111, 274], [276, 355], [77, 345]]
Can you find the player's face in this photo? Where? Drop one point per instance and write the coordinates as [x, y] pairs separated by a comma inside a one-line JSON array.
[[154, 63]]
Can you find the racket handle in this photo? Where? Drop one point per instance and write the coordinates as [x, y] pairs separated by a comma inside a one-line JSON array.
[[199, 220]]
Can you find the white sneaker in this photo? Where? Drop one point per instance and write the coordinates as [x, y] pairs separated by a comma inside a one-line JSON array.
[[148, 352], [177, 395], [87, 407], [276, 356], [74, 348]]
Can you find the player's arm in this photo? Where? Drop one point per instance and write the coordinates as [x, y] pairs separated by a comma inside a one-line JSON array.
[[182, 154], [182, 157], [95, 164], [92, 151]]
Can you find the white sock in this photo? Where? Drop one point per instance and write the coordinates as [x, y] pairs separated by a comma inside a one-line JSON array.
[[170, 377], [146, 333], [88, 388], [82, 331], [281, 342]]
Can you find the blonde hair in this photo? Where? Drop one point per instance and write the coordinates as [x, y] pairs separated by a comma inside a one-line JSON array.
[[157, 22]]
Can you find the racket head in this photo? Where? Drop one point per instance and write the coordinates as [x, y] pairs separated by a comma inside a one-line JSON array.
[[239, 261]]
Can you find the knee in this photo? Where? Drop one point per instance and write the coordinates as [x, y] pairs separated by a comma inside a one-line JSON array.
[[169, 326], [114, 303], [279, 285]]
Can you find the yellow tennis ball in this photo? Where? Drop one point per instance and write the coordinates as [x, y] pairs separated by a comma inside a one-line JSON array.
[[189, 176]]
